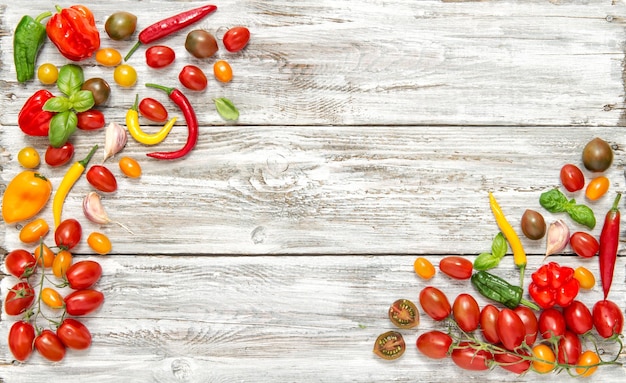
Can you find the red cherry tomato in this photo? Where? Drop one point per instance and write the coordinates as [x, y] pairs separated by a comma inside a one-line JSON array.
[[513, 362], [59, 156], [551, 323], [578, 318], [91, 119], [572, 178], [607, 318], [471, 357], [530, 323], [434, 344], [82, 302], [152, 110], [160, 56], [67, 235], [456, 267], [20, 263], [466, 312], [435, 303], [74, 334], [83, 274], [236, 38], [50, 346], [511, 329], [21, 338], [193, 78], [101, 178], [584, 244], [19, 298], [569, 348], [488, 323]]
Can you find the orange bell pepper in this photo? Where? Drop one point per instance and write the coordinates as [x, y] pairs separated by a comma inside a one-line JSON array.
[[25, 196]]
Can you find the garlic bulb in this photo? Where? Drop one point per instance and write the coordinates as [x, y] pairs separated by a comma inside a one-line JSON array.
[[115, 139]]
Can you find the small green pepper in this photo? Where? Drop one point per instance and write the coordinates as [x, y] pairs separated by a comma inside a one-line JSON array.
[[499, 290], [30, 34]]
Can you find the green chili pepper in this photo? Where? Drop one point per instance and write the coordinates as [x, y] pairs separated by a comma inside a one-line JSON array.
[[28, 39], [499, 290]]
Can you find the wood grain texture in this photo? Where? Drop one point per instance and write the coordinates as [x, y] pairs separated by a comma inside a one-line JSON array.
[[370, 133]]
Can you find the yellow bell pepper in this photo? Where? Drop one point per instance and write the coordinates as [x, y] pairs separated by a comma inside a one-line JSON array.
[[25, 196]]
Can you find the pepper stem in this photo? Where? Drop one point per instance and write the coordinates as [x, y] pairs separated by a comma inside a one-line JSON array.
[[86, 160], [43, 16], [163, 88], [132, 50], [530, 304], [616, 202], [522, 269], [136, 104]]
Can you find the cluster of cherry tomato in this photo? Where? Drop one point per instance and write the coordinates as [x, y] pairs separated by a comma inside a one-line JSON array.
[[48, 320]]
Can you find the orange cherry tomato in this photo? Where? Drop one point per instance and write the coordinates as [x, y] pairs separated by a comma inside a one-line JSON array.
[[597, 187], [46, 256], [222, 71], [99, 243], [34, 231], [585, 277], [423, 268], [130, 167], [108, 57], [52, 298], [545, 361], [587, 361], [62, 262]]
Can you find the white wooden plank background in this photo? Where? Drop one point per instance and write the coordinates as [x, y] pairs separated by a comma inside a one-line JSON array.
[[370, 132]]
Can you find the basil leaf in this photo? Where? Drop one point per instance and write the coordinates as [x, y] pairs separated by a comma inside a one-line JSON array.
[[486, 261], [499, 246], [82, 100], [226, 108], [70, 79], [57, 104], [553, 201], [62, 125], [583, 215]]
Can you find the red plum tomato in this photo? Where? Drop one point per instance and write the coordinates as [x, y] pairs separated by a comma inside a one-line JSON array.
[[488, 323], [83, 302], [607, 318], [83, 274], [101, 178], [572, 178], [21, 338], [19, 298], [578, 317], [584, 244], [531, 323], [20, 263], [50, 346], [513, 362], [74, 334], [456, 267], [59, 156], [193, 78], [67, 235], [551, 323], [466, 312], [91, 119], [159, 56], [434, 344], [511, 330], [153, 110], [236, 38], [471, 357], [569, 348], [435, 303]]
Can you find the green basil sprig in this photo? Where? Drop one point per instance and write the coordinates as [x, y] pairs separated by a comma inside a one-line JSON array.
[[64, 123], [226, 108], [555, 201], [486, 261]]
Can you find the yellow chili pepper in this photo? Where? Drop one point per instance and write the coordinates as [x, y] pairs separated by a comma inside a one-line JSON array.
[[25, 196], [132, 123], [70, 178], [519, 255]]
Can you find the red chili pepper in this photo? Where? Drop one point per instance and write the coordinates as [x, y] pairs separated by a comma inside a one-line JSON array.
[[553, 285], [32, 119], [192, 124], [73, 30], [170, 25], [609, 241]]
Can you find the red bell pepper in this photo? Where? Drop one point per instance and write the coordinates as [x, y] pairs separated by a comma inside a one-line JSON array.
[[73, 30], [32, 119], [553, 285]]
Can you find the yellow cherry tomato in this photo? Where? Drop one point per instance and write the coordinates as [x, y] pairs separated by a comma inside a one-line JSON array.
[[222, 71], [52, 298], [108, 57], [45, 257], [62, 262], [597, 187], [47, 73], [588, 362], [585, 277], [424, 268], [99, 243], [28, 157], [130, 167], [34, 231], [545, 358], [125, 75]]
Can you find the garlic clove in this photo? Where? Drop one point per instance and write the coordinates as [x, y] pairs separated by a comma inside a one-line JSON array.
[[94, 211], [115, 138], [557, 237]]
